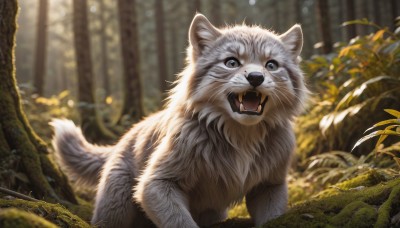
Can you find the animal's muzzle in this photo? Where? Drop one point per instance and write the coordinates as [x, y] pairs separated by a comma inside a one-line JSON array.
[[255, 78]]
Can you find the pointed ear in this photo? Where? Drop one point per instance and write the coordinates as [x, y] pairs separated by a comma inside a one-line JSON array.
[[202, 34], [293, 40]]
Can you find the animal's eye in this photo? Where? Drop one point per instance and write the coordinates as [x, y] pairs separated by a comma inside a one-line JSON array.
[[232, 62], [271, 65]]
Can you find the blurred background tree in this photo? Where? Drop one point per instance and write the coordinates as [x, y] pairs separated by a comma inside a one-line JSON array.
[[91, 126], [41, 47], [132, 107]]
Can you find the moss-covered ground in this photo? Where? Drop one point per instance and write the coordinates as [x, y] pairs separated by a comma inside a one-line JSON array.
[[369, 200], [354, 203], [22, 213], [12, 217]]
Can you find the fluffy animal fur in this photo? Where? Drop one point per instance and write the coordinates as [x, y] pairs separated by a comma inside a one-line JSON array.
[[226, 133]]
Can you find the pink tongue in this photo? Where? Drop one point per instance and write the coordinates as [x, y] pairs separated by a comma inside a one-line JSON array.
[[251, 102]]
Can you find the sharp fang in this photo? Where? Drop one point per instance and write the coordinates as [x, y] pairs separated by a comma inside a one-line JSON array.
[[242, 107], [263, 97], [240, 97], [259, 109]]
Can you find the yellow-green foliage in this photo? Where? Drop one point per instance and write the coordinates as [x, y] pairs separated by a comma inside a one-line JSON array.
[[41, 110], [350, 88], [53, 213], [392, 128], [12, 218], [239, 211]]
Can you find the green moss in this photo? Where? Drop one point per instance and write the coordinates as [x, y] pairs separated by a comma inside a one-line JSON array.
[[368, 179], [83, 210], [355, 214], [11, 218], [53, 213], [234, 223], [393, 202], [346, 209]]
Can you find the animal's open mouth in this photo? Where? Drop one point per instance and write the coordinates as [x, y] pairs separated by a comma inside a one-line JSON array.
[[250, 102]]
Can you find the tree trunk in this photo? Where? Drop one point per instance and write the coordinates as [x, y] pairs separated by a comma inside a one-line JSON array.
[[393, 7], [103, 44], [275, 16], [376, 11], [161, 55], [22, 152], [350, 16], [174, 50], [216, 11], [362, 7], [324, 25], [132, 96], [92, 127], [41, 44], [298, 11], [342, 19], [194, 6]]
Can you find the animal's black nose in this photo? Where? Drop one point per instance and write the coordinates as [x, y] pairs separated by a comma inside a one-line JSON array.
[[255, 78]]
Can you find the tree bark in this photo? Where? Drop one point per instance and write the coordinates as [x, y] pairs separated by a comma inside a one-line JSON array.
[[194, 6], [103, 44], [362, 13], [174, 50], [216, 11], [275, 17], [376, 11], [21, 150], [132, 95], [298, 11], [324, 25], [350, 16], [92, 127], [161, 55], [393, 7], [41, 45]]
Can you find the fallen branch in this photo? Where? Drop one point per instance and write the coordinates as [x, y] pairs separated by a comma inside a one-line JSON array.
[[17, 194]]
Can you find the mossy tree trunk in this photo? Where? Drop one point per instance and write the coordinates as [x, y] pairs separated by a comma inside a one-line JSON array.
[[92, 127], [22, 152], [132, 90]]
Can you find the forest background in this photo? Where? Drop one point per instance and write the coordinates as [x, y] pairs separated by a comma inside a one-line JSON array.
[[107, 64]]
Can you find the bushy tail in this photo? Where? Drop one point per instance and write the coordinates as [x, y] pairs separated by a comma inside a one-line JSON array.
[[81, 160]]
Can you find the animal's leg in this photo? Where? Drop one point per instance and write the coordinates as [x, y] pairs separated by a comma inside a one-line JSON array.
[[265, 202], [114, 205]]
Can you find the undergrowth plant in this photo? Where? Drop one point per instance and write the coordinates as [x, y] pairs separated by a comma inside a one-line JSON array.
[[349, 86], [392, 128], [41, 110]]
